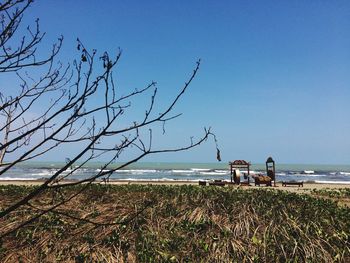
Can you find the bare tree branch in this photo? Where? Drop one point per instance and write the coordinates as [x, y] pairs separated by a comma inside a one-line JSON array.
[[83, 107]]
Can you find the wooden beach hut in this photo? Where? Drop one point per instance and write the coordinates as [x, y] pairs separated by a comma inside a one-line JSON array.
[[235, 172]]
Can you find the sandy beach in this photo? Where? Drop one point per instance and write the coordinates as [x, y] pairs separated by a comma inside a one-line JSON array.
[[307, 186]]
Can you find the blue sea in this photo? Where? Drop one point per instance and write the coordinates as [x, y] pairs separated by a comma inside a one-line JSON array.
[[327, 174]]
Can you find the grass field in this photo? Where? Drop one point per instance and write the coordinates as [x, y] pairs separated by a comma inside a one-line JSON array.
[[140, 223]]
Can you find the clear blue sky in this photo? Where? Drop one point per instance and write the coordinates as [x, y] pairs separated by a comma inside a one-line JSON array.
[[274, 79]]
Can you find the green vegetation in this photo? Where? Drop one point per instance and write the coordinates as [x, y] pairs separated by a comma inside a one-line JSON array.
[[340, 196], [338, 193], [137, 223]]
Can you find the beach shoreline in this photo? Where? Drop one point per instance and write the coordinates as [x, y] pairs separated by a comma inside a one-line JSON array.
[[306, 185]]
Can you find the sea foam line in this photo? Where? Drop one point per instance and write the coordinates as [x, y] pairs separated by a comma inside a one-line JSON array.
[[17, 178], [332, 182]]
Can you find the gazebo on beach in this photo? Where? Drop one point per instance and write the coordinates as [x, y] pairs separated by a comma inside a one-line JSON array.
[[234, 165]]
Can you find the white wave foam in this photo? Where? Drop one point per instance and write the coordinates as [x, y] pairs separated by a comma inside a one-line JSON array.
[[17, 178], [332, 182], [131, 171], [200, 170], [141, 180], [153, 180], [309, 172], [213, 173], [308, 175], [143, 171], [137, 172], [316, 175], [103, 170], [222, 171], [183, 171], [42, 174], [344, 173]]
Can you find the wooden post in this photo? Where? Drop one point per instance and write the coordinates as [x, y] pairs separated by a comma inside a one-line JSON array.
[[248, 174], [270, 165]]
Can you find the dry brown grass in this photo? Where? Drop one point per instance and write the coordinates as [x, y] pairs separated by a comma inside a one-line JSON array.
[[177, 224]]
